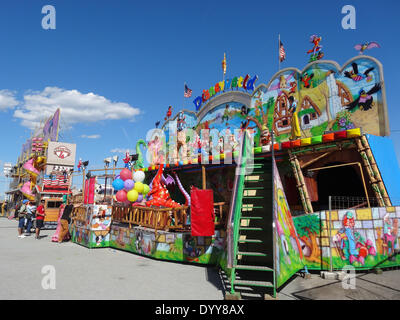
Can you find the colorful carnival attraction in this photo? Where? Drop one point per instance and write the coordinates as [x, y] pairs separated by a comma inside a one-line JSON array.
[[263, 180], [43, 170]]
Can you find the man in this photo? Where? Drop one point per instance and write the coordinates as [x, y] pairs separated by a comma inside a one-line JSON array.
[[21, 213], [65, 220], [30, 214], [40, 215]]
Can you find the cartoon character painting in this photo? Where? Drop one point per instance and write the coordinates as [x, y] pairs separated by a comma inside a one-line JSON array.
[[390, 233], [350, 243], [316, 53]]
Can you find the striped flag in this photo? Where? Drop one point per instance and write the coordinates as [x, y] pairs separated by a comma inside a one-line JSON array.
[[282, 53], [187, 93]]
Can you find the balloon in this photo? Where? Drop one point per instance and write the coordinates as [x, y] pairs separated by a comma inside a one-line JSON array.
[[132, 195], [121, 195], [140, 198], [125, 174], [139, 187], [146, 189], [118, 184], [138, 176], [129, 184]]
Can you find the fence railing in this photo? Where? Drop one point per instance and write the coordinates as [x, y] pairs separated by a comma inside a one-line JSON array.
[[342, 202], [154, 218]]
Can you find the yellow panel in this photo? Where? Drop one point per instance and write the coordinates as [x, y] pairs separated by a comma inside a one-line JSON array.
[[305, 141], [161, 238], [390, 209], [325, 242], [364, 214], [352, 133], [334, 215]]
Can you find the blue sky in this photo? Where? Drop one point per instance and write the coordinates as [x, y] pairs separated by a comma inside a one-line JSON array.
[[134, 57]]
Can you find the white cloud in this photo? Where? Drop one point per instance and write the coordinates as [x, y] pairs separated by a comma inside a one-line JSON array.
[[122, 150], [92, 136], [76, 107], [7, 99]]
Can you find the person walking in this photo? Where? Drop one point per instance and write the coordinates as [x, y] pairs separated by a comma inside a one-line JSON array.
[[40, 215], [64, 221], [21, 213], [30, 215]]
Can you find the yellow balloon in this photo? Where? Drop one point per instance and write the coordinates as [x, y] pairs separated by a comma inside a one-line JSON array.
[[132, 195], [146, 189], [139, 187]]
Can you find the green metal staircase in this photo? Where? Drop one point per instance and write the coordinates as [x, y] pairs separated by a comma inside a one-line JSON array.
[[253, 245]]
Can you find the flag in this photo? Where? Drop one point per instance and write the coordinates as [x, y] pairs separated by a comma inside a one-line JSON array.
[[282, 53], [187, 93], [224, 64]]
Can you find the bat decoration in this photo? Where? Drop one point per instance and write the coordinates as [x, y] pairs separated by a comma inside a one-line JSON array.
[[366, 46]]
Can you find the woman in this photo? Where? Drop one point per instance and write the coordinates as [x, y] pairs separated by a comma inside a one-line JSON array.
[[59, 226]]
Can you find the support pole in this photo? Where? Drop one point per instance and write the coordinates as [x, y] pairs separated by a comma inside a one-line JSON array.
[[300, 183], [203, 175], [330, 234]]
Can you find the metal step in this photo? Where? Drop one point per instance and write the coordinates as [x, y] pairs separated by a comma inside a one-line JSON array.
[[253, 188], [250, 241], [250, 229], [253, 254], [250, 207], [255, 173], [252, 197], [254, 218], [253, 180], [253, 283], [255, 268]]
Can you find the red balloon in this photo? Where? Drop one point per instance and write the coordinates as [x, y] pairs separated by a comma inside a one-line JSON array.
[[121, 196], [125, 174]]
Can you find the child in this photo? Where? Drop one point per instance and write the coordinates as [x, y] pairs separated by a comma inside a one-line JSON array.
[[40, 215]]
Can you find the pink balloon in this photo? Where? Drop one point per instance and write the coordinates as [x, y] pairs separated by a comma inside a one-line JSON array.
[[121, 196], [125, 174]]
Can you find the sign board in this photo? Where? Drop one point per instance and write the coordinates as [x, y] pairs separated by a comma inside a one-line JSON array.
[[61, 153]]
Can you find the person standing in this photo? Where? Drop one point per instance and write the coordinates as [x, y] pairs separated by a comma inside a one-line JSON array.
[[65, 220], [40, 215], [21, 213], [30, 215]]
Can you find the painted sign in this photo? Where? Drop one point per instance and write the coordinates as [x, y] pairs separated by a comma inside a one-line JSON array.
[[60, 153], [246, 83]]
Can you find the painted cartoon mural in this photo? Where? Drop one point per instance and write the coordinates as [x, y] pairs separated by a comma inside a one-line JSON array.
[[289, 255], [91, 227], [169, 245], [364, 238], [324, 97]]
